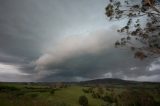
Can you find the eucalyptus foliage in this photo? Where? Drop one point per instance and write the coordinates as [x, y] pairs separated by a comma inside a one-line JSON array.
[[142, 27]]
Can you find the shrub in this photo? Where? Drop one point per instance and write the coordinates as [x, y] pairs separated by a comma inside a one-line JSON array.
[[94, 95], [108, 98], [9, 88], [90, 89], [135, 98], [34, 95], [19, 93], [85, 90], [61, 104], [83, 101], [52, 91]]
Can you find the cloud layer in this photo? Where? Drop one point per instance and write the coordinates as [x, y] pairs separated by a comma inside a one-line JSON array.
[[92, 56], [73, 46]]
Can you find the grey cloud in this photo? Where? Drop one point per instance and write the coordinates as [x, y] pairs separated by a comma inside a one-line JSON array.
[[26, 27], [154, 66], [15, 78], [93, 66], [151, 78], [71, 46], [115, 63]]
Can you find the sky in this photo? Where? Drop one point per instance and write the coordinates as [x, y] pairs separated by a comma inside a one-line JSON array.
[[65, 40]]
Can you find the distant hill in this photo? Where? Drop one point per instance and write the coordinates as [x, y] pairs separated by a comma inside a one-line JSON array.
[[109, 81], [114, 81]]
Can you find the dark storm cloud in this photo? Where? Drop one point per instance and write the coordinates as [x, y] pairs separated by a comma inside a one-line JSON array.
[[75, 59], [100, 66], [26, 27], [64, 40]]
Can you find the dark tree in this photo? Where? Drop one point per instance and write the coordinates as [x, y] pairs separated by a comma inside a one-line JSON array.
[[142, 27], [83, 101], [52, 91], [135, 98]]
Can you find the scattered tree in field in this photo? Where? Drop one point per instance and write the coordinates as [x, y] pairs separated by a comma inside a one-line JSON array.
[[94, 95], [85, 90], [90, 89], [100, 90], [108, 99], [135, 98], [52, 91], [83, 101], [34, 95], [142, 26]]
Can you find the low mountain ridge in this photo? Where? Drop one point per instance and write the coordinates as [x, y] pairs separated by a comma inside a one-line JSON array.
[[109, 81]]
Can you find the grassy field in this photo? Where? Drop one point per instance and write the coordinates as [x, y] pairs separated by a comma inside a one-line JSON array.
[[71, 94], [35, 95], [15, 94]]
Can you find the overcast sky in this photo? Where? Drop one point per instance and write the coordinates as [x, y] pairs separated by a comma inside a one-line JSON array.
[[65, 40]]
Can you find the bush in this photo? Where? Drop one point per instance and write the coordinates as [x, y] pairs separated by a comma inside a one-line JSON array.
[[108, 98], [106, 104], [17, 94], [34, 95], [96, 95], [9, 88], [61, 104], [52, 91], [135, 98], [90, 90], [83, 101], [85, 90]]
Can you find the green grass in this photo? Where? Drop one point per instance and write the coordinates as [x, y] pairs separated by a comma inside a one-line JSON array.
[[43, 95], [31, 97], [71, 95]]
